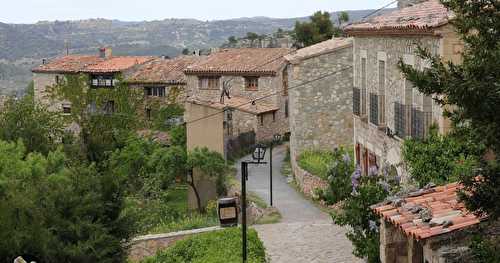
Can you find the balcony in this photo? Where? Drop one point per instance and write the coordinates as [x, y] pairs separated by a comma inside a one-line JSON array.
[[411, 122], [356, 101], [374, 113]]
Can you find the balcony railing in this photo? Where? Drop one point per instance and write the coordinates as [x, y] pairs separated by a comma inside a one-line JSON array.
[[420, 123], [400, 120], [374, 108], [409, 121], [356, 101]]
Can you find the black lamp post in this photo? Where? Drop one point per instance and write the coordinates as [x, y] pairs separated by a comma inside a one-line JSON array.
[[276, 139], [257, 155]]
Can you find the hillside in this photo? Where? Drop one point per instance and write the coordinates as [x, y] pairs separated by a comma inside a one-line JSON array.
[[22, 46]]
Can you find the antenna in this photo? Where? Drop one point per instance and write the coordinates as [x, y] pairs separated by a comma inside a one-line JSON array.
[[225, 91]]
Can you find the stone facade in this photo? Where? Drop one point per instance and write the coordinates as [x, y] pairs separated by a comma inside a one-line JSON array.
[[321, 111], [271, 124], [42, 83], [374, 136]]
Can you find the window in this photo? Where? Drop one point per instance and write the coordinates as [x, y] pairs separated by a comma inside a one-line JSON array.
[[274, 116], [408, 103], [58, 79], [374, 110], [154, 91], [251, 83], [363, 86], [381, 91], [106, 81], [148, 114], [356, 103], [261, 120], [109, 107], [285, 81], [66, 109], [210, 82]]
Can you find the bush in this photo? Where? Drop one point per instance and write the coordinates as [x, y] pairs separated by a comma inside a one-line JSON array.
[[316, 162], [214, 247], [339, 177], [356, 213]]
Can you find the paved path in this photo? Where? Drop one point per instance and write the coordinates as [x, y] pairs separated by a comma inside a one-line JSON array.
[[305, 234]]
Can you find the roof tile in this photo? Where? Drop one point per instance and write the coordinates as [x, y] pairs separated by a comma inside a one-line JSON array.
[[164, 71], [444, 206]]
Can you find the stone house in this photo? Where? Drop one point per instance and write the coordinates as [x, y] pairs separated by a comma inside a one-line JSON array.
[[387, 108], [162, 80], [251, 79], [102, 70], [430, 225], [320, 110]]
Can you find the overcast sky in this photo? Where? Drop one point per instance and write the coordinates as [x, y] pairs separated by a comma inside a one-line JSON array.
[[30, 11]]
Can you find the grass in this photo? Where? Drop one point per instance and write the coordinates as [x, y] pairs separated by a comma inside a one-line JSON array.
[[316, 162], [169, 213], [213, 247]]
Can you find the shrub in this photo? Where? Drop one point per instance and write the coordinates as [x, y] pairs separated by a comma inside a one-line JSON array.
[[316, 162], [339, 177], [363, 223], [213, 247]]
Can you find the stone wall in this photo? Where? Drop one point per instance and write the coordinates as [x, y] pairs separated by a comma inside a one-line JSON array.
[[42, 82], [148, 245], [321, 111], [243, 122], [392, 49], [307, 182]]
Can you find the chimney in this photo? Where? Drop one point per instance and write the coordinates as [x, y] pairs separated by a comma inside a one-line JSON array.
[[408, 3], [105, 52]]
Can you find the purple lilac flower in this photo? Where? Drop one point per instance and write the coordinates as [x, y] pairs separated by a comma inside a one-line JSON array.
[[373, 170], [346, 158]]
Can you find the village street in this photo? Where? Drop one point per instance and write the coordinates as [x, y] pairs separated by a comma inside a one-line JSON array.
[[305, 233]]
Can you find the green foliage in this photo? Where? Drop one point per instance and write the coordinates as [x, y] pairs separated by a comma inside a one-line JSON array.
[[210, 163], [319, 29], [58, 212], [437, 158], [232, 40], [185, 51], [472, 88], [163, 119], [363, 223], [102, 128], [485, 249], [316, 162], [252, 36], [339, 177], [213, 247], [343, 17], [25, 120]]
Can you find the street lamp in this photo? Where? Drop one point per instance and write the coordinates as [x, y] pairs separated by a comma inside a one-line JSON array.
[[276, 139], [258, 155]]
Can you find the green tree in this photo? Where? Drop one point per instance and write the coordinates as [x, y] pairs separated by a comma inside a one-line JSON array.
[[23, 119], [57, 212], [472, 90], [437, 158], [232, 40], [105, 117], [185, 51], [343, 17], [318, 29], [210, 163], [252, 37]]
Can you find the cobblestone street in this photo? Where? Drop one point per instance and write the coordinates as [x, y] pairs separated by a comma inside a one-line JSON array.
[[305, 233]]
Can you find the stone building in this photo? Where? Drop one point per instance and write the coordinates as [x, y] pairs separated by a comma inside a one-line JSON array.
[[428, 225], [162, 80], [102, 70], [387, 108], [251, 78], [321, 111]]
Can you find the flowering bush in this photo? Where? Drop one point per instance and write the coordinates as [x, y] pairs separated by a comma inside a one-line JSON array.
[[339, 177]]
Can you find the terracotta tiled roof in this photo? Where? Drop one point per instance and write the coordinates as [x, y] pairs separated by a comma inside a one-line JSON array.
[[163, 71], [319, 49], [116, 64], [68, 64], [90, 64], [420, 18], [428, 213], [242, 61], [238, 103]]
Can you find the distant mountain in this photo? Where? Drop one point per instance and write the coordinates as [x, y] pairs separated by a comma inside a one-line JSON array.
[[22, 46]]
